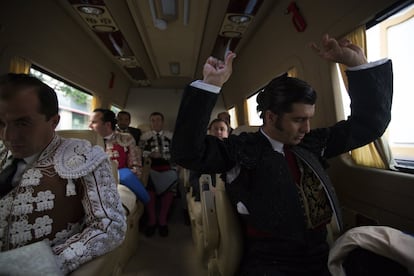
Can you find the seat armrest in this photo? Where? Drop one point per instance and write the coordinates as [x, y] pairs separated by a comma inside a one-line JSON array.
[[128, 199]]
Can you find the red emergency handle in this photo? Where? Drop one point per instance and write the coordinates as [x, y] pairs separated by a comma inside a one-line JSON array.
[[297, 19]]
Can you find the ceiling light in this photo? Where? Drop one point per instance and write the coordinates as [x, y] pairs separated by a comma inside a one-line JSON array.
[[174, 68], [128, 61], [167, 9], [239, 19], [91, 10], [104, 28], [98, 18], [235, 24], [186, 13], [231, 34], [158, 23]]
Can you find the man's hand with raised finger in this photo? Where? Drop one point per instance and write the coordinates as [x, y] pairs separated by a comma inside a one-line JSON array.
[[217, 72]]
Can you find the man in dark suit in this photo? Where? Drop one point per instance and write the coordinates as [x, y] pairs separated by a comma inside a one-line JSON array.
[[275, 178], [225, 116], [124, 119]]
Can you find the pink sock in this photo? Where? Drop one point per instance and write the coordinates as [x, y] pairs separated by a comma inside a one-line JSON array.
[[166, 201]]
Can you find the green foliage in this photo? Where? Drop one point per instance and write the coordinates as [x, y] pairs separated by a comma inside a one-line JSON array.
[[59, 86], [76, 95]]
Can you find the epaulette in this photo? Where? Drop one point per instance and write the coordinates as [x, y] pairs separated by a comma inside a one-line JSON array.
[[124, 139], [75, 158]]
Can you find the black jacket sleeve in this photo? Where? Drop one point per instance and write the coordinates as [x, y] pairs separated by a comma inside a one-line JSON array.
[[192, 148], [371, 93]]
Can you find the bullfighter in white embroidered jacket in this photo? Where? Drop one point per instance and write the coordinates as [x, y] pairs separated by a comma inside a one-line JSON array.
[[63, 191]]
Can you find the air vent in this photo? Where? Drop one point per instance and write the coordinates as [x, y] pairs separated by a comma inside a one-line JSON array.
[[99, 20], [235, 24], [240, 14]]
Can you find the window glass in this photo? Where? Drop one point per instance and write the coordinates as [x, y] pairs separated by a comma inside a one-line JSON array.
[[115, 109], [233, 117], [393, 38], [253, 115], [74, 104]]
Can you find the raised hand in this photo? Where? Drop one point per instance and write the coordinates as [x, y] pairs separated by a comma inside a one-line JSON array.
[[342, 51], [217, 72]]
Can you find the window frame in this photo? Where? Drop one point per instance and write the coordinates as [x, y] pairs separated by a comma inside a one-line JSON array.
[[72, 85]]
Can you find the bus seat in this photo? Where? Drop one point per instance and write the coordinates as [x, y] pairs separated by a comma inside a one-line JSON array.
[[227, 255], [208, 214], [86, 134], [146, 168], [144, 127], [203, 219], [194, 213], [106, 265], [378, 250], [184, 176], [245, 128]]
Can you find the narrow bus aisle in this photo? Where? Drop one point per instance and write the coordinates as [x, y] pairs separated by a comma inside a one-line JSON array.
[[172, 255]]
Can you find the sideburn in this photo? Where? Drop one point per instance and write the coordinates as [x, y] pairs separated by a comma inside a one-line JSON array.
[[278, 123]]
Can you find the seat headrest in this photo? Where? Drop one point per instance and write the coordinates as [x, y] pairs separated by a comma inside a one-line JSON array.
[[86, 134], [245, 128]]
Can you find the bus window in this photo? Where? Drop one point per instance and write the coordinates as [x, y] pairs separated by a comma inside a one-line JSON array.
[[115, 109], [393, 38], [233, 117], [74, 104], [253, 116]]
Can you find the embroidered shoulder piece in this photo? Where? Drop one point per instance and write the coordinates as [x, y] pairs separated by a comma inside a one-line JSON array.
[[124, 139], [76, 158]]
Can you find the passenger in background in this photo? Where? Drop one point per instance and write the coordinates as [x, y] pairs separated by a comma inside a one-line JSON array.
[[220, 129], [162, 182], [52, 189], [225, 116], [122, 148], [123, 121], [275, 177]]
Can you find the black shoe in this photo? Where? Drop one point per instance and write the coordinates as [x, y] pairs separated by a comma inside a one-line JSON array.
[[150, 230], [163, 229]]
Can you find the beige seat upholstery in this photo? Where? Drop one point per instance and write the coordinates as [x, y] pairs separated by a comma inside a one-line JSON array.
[[194, 213], [203, 219], [86, 134], [184, 177], [113, 262], [226, 257], [144, 127], [216, 230]]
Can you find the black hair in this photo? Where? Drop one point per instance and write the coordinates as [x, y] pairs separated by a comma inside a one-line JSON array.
[[224, 112], [157, 114], [11, 83], [281, 92], [216, 121], [125, 113], [107, 116]]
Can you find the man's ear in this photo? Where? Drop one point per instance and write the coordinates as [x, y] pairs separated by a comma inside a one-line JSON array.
[[270, 117], [108, 124], [55, 120]]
